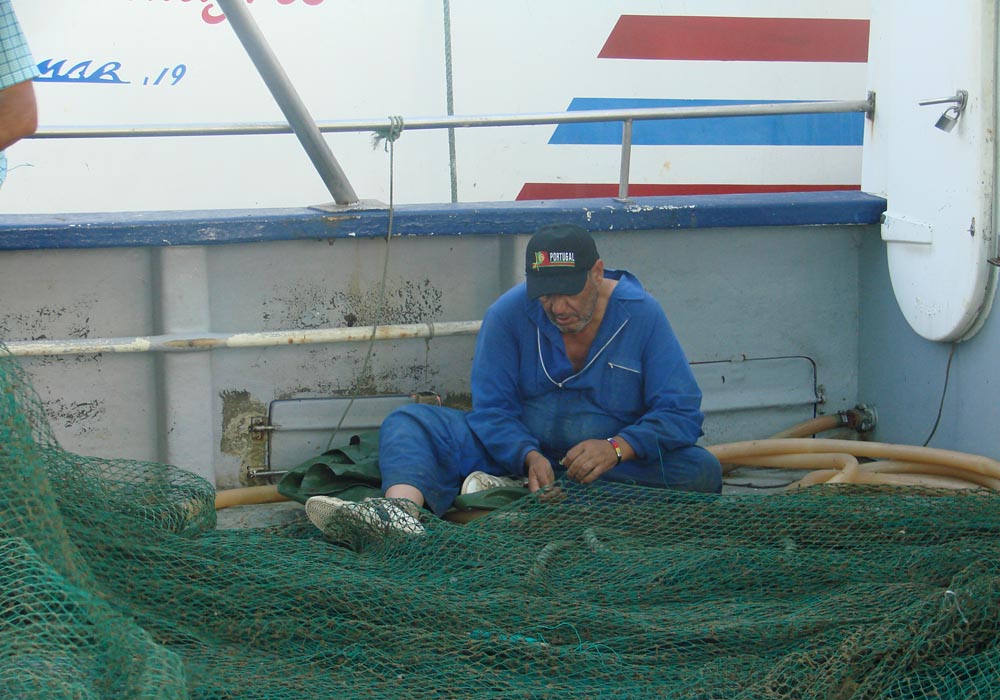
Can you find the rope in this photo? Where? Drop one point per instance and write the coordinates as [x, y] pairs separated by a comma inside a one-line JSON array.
[[393, 133], [389, 134]]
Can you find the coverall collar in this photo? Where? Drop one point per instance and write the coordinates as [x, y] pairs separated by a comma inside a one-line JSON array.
[[628, 288]]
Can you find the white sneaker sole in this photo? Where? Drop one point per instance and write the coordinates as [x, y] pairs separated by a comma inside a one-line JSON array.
[[481, 481], [377, 516]]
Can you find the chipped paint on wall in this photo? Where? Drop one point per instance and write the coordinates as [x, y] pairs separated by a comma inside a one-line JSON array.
[[80, 417], [239, 408], [397, 380], [459, 400], [310, 305], [49, 322], [343, 370], [55, 322]]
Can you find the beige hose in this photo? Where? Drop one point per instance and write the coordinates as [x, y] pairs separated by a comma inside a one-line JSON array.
[[820, 476], [899, 467], [248, 496], [834, 476], [812, 426], [926, 480], [741, 451], [819, 460], [835, 461], [903, 473], [847, 475], [806, 428]]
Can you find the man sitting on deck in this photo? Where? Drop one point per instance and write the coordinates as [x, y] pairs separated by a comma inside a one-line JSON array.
[[577, 373]]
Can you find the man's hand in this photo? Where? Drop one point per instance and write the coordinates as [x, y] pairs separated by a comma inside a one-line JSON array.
[[539, 470], [586, 461]]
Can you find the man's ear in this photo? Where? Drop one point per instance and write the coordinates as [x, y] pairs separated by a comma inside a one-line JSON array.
[[598, 270]]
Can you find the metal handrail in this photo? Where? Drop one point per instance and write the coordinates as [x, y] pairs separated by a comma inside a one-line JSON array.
[[384, 125], [201, 342], [459, 121]]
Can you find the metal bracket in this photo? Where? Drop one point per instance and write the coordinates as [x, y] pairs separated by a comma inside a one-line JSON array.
[[946, 122], [869, 418], [262, 472], [360, 205], [259, 427], [820, 394]]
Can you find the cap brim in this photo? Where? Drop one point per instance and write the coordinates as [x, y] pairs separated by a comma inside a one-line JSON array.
[[542, 284]]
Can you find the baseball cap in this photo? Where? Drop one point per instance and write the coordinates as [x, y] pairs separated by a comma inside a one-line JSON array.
[[558, 259]]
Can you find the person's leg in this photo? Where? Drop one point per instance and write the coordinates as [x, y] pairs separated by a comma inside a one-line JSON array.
[[411, 493], [425, 452], [686, 469], [412, 441]]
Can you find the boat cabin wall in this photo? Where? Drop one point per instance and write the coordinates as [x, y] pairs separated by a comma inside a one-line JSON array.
[[941, 391], [770, 314]]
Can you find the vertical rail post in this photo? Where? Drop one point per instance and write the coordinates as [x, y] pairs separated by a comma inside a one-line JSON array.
[[626, 159], [450, 96], [288, 100]]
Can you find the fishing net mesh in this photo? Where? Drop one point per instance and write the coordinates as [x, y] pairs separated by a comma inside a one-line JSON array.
[[116, 584]]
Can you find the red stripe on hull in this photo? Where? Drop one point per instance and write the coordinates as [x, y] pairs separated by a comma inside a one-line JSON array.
[[677, 38]]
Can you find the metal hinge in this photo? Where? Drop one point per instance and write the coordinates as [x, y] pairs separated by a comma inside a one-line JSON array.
[[868, 418], [259, 428], [263, 472]]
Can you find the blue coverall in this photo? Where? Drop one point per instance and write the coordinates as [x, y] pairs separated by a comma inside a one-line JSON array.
[[636, 383]]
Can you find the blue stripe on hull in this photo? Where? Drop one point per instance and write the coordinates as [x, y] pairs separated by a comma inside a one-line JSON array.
[[772, 130]]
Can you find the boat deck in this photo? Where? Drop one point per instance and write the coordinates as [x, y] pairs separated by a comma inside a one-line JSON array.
[[746, 480]]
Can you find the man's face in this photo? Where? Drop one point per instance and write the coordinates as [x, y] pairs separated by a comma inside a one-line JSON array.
[[571, 314]]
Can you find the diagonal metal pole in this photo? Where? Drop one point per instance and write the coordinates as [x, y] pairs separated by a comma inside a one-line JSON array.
[[288, 100]]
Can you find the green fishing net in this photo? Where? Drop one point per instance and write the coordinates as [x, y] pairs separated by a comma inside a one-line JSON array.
[[116, 584]]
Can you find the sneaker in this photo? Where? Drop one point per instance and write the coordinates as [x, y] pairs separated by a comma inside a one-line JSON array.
[[377, 516], [481, 481]]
